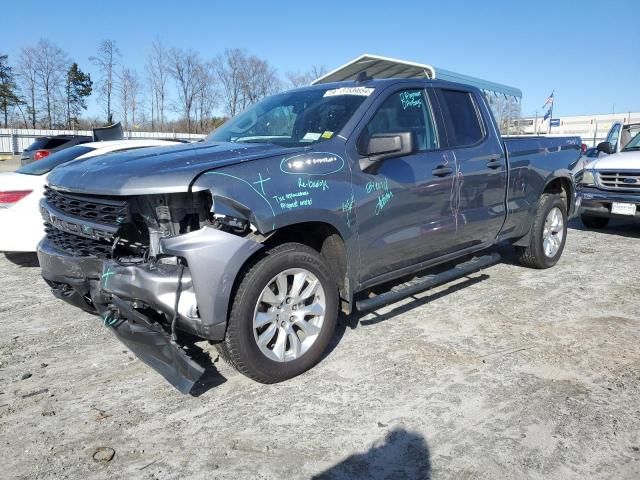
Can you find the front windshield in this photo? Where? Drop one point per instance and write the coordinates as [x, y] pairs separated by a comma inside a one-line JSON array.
[[634, 144], [294, 119], [40, 167]]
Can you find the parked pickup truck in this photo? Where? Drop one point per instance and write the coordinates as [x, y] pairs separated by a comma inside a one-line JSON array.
[[609, 186], [292, 211], [619, 135]]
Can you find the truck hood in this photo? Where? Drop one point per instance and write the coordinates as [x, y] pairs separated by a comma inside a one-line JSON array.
[[154, 170], [617, 161]]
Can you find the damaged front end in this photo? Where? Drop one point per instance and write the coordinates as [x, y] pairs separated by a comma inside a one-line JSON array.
[[153, 267]]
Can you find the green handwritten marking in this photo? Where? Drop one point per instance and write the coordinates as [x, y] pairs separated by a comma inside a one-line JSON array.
[[374, 185], [380, 187], [347, 207], [106, 275], [291, 200], [261, 182], [383, 200], [411, 99], [244, 181], [319, 184]]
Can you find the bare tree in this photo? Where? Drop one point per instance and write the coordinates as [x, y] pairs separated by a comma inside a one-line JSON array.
[[185, 67], [158, 71], [206, 99], [107, 61], [259, 79], [505, 110], [129, 92], [27, 72], [50, 68], [297, 79], [245, 79], [229, 69]]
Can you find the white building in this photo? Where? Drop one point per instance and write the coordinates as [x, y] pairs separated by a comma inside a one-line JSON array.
[[592, 128]]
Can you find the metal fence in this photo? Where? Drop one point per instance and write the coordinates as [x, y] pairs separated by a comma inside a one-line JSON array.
[[14, 140]]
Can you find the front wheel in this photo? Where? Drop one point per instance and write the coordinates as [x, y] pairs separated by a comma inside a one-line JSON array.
[[548, 233], [283, 315]]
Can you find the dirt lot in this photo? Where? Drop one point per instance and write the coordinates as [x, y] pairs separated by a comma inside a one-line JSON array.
[[510, 373], [8, 163]]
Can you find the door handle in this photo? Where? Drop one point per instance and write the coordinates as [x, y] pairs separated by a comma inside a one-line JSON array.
[[494, 163], [441, 171]]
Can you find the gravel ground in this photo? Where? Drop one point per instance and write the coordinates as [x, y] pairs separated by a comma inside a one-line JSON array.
[[8, 163], [509, 373]]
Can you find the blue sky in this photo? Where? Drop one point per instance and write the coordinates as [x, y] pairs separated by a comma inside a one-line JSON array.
[[586, 51]]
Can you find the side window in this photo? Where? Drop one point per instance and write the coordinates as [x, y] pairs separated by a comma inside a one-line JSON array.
[[56, 142], [612, 138], [464, 126], [406, 111]]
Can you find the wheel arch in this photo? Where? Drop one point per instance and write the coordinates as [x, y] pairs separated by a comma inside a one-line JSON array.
[[323, 237]]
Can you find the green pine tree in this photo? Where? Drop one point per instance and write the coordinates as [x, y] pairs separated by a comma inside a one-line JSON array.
[[8, 89], [78, 87]]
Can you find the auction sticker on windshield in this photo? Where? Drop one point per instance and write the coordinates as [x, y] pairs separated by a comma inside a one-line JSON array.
[[623, 208], [362, 91]]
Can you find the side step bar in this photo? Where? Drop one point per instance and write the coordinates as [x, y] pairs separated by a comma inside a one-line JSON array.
[[430, 281]]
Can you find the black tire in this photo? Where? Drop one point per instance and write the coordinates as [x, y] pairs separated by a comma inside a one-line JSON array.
[[534, 256], [594, 222], [239, 347]]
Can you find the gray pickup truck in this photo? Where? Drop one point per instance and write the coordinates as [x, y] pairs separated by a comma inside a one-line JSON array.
[[293, 211]]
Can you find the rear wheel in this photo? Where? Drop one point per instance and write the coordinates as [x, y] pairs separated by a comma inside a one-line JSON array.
[[548, 233], [283, 315], [594, 222]]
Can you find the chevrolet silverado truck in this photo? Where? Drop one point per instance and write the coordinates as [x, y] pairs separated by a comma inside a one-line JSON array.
[[293, 211], [609, 186]]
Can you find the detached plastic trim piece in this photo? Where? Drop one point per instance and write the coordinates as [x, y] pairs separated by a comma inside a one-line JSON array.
[[151, 344]]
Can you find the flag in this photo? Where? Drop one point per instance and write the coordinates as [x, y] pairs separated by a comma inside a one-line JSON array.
[[548, 101], [547, 115]]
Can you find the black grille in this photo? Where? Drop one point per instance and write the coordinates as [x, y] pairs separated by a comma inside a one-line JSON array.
[[100, 210], [76, 245]]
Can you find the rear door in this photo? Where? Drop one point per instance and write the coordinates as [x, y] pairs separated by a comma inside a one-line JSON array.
[[403, 203], [480, 173]]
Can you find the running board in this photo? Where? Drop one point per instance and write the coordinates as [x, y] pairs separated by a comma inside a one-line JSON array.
[[430, 281]]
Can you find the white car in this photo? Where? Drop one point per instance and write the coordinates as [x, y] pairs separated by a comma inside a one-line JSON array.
[[610, 187], [21, 227]]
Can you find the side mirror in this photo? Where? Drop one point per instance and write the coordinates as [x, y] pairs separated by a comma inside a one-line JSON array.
[[605, 147], [381, 146]]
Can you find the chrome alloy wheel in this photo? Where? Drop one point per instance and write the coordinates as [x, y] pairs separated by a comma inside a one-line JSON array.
[[289, 315], [553, 232]]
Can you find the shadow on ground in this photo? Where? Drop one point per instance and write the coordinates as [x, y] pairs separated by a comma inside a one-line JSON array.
[[211, 378], [354, 320], [629, 229], [400, 455], [23, 259]]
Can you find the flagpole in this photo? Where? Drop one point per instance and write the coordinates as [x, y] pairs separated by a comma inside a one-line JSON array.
[[553, 100]]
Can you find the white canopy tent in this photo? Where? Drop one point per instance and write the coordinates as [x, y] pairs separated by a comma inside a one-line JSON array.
[[376, 66]]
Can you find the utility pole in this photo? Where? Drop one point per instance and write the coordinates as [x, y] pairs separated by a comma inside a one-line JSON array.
[[535, 125]]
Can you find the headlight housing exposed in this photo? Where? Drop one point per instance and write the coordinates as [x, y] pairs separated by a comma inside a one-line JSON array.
[[588, 178]]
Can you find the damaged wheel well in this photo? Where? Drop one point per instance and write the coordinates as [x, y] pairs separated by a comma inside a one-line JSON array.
[[562, 187], [323, 238]]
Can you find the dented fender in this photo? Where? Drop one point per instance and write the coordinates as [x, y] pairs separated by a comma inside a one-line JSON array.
[[214, 258]]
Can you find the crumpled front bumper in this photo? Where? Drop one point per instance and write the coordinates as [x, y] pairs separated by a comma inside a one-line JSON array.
[[104, 287]]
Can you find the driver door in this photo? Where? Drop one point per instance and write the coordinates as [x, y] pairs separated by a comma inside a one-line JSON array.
[[403, 203]]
